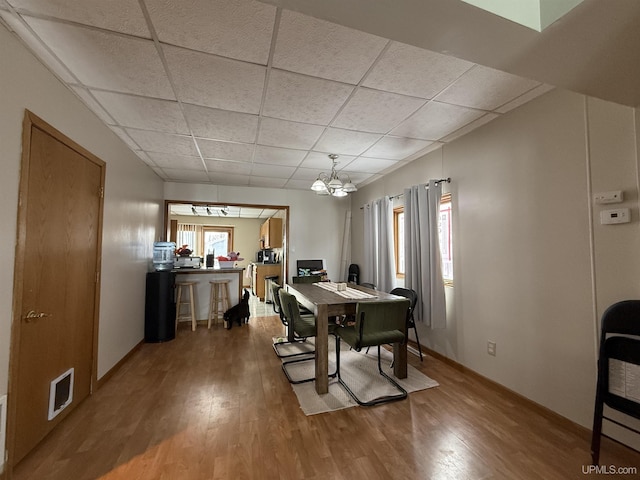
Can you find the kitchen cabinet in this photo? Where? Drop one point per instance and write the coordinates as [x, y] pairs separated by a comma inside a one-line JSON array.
[[271, 233], [261, 270]]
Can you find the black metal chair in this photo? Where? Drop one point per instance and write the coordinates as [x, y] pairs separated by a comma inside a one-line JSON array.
[[354, 274], [619, 340], [304, 326], [368, 285], [277, 307], [411, 322], [377, 323]]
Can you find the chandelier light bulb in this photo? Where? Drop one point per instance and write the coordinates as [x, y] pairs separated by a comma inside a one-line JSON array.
[[332, 184]]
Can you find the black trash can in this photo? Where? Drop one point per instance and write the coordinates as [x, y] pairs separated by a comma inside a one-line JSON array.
[[160, 307]]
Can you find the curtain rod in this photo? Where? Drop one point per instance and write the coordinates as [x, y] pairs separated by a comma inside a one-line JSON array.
[[440, 180]]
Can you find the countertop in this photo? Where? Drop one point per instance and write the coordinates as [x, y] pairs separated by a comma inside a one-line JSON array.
[[208, 270]]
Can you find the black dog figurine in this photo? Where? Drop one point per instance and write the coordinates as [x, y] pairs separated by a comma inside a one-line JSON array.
[[238, 313]]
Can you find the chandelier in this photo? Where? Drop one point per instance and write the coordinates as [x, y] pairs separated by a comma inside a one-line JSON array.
[[332, 184]]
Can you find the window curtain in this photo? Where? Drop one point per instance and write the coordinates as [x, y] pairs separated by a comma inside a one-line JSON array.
[[378, 244], [190, 235], [423, 271]]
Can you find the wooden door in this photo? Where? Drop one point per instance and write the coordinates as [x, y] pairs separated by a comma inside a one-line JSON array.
[[56, 284]]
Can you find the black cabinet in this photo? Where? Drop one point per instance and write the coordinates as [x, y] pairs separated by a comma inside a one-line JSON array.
[[160, 307]]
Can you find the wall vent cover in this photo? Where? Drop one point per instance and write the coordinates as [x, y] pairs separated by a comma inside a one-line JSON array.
[[60, 393]]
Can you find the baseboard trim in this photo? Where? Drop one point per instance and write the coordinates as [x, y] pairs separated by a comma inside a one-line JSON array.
[[546, 412], [105, 378]]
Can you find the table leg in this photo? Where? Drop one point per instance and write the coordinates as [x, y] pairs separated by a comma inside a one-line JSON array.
[[322, 350], [399, 360]]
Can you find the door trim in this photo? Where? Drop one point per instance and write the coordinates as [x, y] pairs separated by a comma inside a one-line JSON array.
[[29, 122]]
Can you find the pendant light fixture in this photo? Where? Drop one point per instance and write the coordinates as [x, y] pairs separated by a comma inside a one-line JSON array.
[[332, 184]]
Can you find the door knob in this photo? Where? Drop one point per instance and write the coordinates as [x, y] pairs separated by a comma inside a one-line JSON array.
[[32, 315]]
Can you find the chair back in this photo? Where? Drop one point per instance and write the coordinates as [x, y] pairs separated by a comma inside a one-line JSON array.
[[413, 299], [307, 279], [368, 285], [289, 307], [382, 322], [277, 307]]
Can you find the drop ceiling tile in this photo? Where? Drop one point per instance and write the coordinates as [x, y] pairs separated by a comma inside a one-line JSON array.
[[93, 105], [485, 88], [143, 112], [396, 148], [323, 49], [435, 120], [204, 79], [123, 16], [267, 182], [469, 127], [219, 124], [277, 171], [124, 136], [239, 168], [239, 29], [368, 165], [4, 5], [321, 161], [34, 43], [165, 161], [358, 177], [527, 97], [229, 179], [376, 111], [282, 133], [95, 58], [304, 99], [160, 173], [144, 157], [309, 174], [278, 156], [187, 176], [213, 149], [346, 142], [414, 71], [298, 184], [163, 142]]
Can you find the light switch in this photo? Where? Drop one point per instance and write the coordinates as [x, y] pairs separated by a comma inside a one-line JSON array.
[[612, 217]]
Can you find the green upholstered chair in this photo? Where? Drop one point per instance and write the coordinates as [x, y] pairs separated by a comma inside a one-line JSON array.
[[377, 323], [277, 306], [304, 326]]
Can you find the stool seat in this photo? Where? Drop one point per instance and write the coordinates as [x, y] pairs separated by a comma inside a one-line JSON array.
[[189, 303], [218, 300]]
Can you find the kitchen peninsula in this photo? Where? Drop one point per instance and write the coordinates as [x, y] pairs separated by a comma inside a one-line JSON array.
[[202, 290]]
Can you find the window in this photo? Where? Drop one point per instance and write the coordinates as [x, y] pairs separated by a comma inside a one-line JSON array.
[[444, 233], [217, 240]]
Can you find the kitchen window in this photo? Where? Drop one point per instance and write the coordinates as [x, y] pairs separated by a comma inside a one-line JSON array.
[[217, 240]]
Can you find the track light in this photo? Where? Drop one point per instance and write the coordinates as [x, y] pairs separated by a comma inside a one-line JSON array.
[[193, 209], [209, 212]]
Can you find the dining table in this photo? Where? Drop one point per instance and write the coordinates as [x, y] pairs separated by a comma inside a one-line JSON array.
[[326, 301]]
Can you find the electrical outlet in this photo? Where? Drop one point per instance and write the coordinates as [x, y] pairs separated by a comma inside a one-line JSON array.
[[604, 198], [491, 348]]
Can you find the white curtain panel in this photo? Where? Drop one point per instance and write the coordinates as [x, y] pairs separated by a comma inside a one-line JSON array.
[[423, 270], [378, 244]]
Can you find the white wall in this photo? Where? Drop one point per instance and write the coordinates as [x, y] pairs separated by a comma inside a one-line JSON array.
[[316, 224], [533, 268], [132, 205]]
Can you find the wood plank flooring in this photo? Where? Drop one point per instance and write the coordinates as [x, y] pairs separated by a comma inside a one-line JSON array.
[[214, 404]]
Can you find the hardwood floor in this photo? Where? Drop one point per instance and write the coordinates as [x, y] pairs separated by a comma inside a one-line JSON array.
[[214, 404]]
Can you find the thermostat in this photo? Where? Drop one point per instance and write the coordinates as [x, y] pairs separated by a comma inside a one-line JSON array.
[[618, 215]]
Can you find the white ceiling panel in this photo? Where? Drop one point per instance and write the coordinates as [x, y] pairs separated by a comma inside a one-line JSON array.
[[165, 160], [300, 98], [279, 156], [163, 142], [396, 148], [239, 29], [219, 124], [211, 81], [241, 152], [282, 133], [243, 92], [323, 49], [346, 142], [96, 58], [414, 71], [123, 16], [143, 112], [376, 111], [436, 120], [485, 88]]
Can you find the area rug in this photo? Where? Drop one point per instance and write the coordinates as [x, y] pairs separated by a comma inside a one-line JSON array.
[[358, 369]]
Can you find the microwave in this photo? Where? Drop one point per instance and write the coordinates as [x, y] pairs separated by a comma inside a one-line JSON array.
[[266, 256]]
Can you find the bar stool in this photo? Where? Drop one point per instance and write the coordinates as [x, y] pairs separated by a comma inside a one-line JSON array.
[[190, 303], [218, 299]]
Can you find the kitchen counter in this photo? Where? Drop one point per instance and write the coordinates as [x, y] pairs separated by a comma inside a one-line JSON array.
[[203, 289]]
